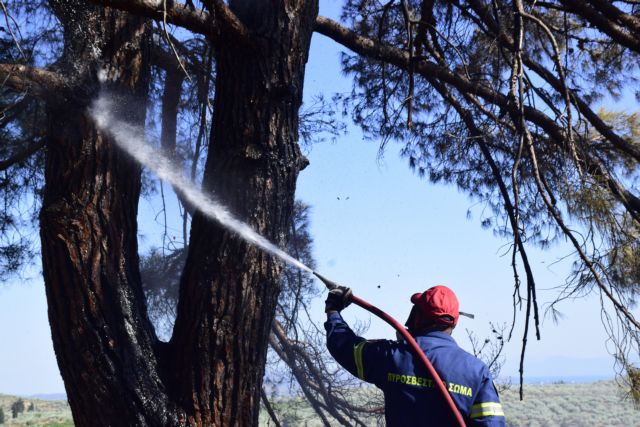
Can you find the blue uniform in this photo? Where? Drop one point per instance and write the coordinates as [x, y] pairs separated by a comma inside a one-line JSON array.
[[411, 397]]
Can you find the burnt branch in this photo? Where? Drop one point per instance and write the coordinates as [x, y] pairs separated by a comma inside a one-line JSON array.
[[512, 212], [285, 356]]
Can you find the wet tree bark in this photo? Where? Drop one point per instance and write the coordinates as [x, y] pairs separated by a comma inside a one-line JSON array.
[[228, 292], [105, 345]]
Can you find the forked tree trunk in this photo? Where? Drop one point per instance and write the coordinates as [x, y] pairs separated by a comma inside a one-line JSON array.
[[115, 370], [229, 291]]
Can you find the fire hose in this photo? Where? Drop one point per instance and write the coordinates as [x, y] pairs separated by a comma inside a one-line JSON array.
[[459, 421]]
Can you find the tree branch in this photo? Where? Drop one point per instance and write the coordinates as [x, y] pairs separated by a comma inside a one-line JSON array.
[[360, 44], [220, 10], [606, 7], [221, 22], [315, 404], [267, 405], [604, 24], [7, 18], [512, 210], [37, 81], [22, 155]]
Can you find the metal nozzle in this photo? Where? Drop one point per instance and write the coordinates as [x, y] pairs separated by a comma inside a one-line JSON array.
[[328, 283]]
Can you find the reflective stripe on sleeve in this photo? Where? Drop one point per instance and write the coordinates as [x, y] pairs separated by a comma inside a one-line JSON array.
[[357, 356], [486, 409]]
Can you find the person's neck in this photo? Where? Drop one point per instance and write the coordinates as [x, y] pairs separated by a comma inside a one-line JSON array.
[[446, 329]]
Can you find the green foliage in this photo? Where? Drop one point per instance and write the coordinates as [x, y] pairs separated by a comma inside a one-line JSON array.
[[296, 411], [1, 416], [625, 123]]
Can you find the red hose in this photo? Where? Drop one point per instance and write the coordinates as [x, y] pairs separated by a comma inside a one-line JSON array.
[[418, 351]]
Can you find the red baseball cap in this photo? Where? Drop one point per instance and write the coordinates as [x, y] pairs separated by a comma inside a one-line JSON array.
[[436, 302]]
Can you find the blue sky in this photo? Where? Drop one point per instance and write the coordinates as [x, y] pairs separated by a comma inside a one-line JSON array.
[[395, 235]]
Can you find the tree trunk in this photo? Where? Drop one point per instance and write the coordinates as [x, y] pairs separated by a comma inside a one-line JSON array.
[[115, 370], [105, 345], [228, 290]]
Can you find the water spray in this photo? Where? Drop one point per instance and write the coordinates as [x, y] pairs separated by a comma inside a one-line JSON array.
[[131, 139]]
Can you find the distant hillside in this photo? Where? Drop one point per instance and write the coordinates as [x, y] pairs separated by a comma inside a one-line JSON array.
[[49, 396], [50, 413], [597, 404]]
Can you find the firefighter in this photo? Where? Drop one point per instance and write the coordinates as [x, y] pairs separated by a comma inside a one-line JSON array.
[[411, 397]]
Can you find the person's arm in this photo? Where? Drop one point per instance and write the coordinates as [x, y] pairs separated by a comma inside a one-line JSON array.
[[486, 409], [343, 344], [354, 353]]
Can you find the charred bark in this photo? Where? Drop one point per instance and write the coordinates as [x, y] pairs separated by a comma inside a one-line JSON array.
[[228, 291], [105, 346]]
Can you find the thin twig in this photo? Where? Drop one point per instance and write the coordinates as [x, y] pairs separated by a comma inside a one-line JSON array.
[[7, 16], [173, 48]]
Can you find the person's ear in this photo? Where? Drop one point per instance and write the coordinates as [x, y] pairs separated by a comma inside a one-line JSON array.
[[411, 320]]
